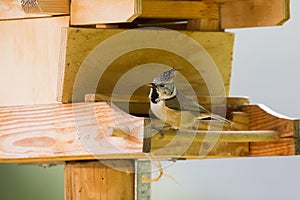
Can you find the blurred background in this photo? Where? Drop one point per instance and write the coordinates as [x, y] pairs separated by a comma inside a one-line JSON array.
[[266, 68]]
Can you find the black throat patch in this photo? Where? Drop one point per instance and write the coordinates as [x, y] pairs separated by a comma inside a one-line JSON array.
[[154, 95]]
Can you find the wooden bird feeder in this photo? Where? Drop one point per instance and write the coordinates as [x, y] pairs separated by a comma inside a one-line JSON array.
[[70, 106]]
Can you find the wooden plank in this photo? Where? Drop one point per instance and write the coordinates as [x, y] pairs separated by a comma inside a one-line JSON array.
[[17, 9], [263, 118], [196, 150], [186, 147], [254, 13], [220, 1], [218, 45], [99, 180], [29, 58], [139, 105], [191, 144], [179, 9], [188, 144], [51, 7], [297, 136], [223, 136], [84, 131], [203, 100], [240, 120], [104, 11], [12, 9], [66, 130], [282, 147]]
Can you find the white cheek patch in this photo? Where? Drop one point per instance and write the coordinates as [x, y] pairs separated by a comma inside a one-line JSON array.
[[151, 90], [159, 111]]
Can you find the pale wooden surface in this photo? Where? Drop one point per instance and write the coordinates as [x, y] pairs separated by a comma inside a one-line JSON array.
[[104, 11], [12, 9], [29, 57], [218, 45], [254, 13], [51, 7], [62, 130], [99, 181]]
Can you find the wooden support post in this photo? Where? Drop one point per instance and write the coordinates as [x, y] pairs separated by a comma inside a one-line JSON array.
[[112, 179]]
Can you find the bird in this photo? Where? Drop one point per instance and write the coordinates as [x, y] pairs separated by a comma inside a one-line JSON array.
[[173, 108]]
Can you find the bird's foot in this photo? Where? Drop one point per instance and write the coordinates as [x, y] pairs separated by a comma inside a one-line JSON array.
[[161, 129]]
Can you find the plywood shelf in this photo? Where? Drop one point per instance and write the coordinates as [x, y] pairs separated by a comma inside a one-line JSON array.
[[88, 131]]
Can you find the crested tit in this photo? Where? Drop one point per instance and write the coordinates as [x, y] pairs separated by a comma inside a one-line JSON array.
[[168, 105]]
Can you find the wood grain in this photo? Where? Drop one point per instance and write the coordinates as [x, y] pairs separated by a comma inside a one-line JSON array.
[[62, 130], [12, 9], [240, 120], [179, 9], [81, 131], [104, 11], [99, 180], [218, 45], [263, 118], [51, 7], [219, 143], [254, 13], [29, 58], [282, 147]]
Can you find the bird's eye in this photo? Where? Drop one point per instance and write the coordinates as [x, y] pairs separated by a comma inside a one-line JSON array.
[[161, 85]]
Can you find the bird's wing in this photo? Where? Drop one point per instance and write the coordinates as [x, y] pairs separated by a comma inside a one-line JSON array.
[[182, 103]]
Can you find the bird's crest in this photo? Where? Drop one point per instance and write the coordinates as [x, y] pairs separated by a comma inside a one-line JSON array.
[[165, 77]]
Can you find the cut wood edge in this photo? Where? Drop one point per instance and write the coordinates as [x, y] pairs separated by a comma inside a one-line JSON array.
[[220, 136], [143, 99], [102, 12]]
